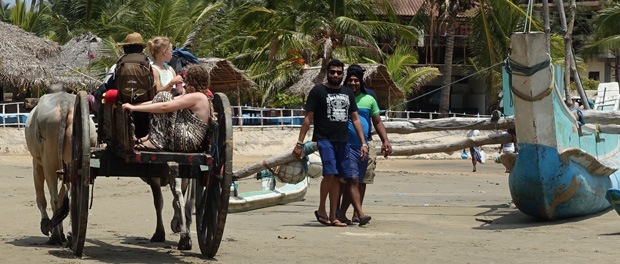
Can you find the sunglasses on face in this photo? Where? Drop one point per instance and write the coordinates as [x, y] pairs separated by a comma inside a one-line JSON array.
[[332, 72]]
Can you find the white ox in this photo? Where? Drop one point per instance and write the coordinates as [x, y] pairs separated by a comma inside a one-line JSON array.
[[48, 137]]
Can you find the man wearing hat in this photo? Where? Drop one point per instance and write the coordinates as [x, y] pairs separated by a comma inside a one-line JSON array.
[[132, 44]]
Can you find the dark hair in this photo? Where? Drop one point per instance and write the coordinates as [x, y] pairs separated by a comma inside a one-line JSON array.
[[358, 71], [335, 63], [133, 48], [197, 77]]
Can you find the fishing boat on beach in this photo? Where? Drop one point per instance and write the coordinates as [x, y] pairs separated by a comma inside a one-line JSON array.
[[563, 167]]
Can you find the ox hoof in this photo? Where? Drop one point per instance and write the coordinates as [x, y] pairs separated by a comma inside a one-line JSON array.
[[69, 242], [159, 236], [185, 243], [45, 226], [57, 240], [175, 224]]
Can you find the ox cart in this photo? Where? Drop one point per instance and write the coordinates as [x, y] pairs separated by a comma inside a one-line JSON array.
[[209, 171]]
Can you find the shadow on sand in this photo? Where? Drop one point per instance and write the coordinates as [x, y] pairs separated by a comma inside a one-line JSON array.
[[501, 217], [138, 250]]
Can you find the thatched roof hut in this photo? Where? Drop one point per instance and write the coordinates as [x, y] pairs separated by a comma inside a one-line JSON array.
[[22, 56], [226, 77], [376, 78], [70, 66]]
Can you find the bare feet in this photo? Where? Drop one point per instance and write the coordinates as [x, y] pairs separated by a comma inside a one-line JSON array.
[[337, 223]]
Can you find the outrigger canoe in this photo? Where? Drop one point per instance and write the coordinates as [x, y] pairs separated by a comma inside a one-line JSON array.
[[562, 169]]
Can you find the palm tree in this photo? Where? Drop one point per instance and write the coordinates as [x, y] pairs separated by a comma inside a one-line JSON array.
[[491, 22], [410, 79], [606, 37], [448, 13], [290, 34]]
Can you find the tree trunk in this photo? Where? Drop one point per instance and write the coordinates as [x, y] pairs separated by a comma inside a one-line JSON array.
[[567, 53], [443, 124], [444, 102], [451, 146], [573, 64], [616, 68], [547, 27], [327, 56]]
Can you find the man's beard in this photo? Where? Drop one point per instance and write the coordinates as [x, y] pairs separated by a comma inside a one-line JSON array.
[[334, 81]]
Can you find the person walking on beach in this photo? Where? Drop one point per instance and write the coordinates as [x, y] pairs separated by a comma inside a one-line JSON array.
[[507, 152], [474, 152], [330, 106], [368, 110]]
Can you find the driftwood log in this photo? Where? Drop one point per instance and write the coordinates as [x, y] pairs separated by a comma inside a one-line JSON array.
[[272, 162], [451, 146], [461, 123], [601, 117]]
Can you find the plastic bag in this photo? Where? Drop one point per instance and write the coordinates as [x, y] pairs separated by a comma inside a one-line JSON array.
[[483, 157], [464, 155]]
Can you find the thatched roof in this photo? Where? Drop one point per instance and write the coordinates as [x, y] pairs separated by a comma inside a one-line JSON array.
[[376, 78], [70, 66], [21, 57], [226, 77]]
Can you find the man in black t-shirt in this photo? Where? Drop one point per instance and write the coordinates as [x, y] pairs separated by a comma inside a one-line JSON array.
[[330, 106]]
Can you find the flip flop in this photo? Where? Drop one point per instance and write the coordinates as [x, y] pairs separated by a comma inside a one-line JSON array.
[[337, 223], [321, 219], [346, 221], [364, 220]]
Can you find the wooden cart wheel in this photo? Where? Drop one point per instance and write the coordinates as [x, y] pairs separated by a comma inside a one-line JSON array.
[[80, 173], [212, 195]]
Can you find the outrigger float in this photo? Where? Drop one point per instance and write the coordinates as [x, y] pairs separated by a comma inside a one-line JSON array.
[[563, 169]]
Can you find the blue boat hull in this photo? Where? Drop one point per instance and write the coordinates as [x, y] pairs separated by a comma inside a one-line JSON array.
[[562, 169], [544, 186]]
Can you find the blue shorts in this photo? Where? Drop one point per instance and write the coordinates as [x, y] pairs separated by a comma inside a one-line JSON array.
[[358, 166], [335, 157]]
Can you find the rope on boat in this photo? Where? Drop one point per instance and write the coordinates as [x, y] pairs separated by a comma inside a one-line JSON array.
[[513, 67]]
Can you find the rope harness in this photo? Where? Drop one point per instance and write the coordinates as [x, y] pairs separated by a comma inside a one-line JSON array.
[[515, 68]]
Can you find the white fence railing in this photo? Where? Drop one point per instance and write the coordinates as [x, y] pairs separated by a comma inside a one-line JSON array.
[[15, 118], [256, 116], [248, 116]]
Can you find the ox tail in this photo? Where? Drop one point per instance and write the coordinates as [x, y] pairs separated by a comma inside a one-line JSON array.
[[60, 214], [62, 129]]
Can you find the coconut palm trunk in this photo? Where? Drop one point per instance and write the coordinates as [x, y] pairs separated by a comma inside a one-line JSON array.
[[444, 101]]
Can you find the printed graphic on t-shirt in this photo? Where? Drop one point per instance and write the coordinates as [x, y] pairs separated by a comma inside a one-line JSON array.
[[338, 107]]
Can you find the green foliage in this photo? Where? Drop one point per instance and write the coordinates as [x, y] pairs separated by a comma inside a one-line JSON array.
[[283, 100], [588, 84]]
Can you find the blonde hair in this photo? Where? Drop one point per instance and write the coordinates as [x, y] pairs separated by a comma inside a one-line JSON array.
[[157, 45]]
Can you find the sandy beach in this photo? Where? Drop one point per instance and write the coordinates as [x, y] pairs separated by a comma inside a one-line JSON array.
[[429, 209]]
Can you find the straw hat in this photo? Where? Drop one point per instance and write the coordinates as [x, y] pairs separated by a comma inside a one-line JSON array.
[[133, 39]]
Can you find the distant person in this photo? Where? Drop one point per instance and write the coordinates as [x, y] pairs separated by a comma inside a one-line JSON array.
[[474, 151], [508, 151], [330, 106]]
